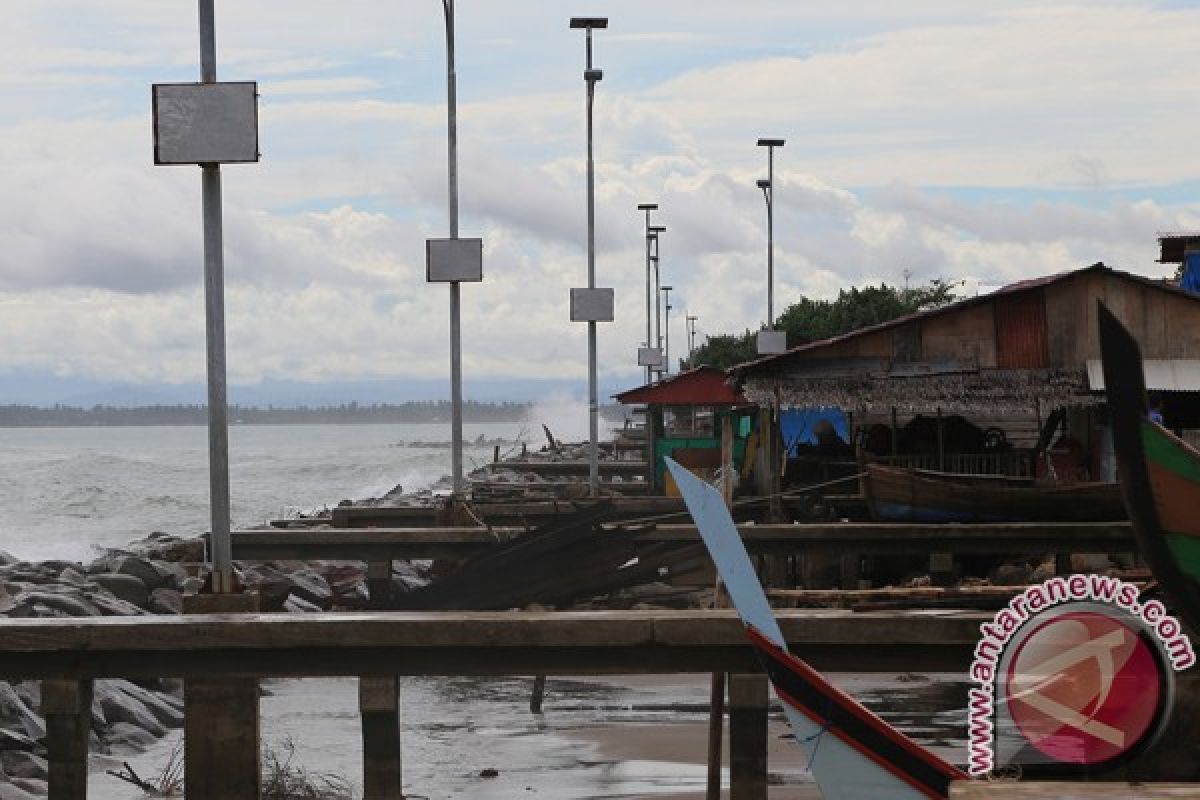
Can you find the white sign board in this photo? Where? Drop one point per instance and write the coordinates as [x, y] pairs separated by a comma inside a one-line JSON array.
[[592, 305], [650, 357], [771, 342], [205, 123], [450, 260]]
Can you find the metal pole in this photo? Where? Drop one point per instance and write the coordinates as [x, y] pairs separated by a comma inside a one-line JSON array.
[[214, 317], [770, 239], [649, 343], [658, 341], [593, 405], [456, 421], [667, 345]]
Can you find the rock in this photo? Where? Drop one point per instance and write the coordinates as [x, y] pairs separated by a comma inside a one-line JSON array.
[[172, 573], [11, 740], [167, 710], [310, 586], [20, 764], [10, 791], [35, 786], [72, 605], [73, 576], [272, 585], [111, 606], [6, 600], [140, 568], [125, 587], [123, 738], [119, 706], [14, 714], [166, 601], [298, 605], [7, 558], [192, 585]]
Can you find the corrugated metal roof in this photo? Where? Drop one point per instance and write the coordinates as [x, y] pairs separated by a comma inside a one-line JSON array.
[[700, 386], [1162, 375], [739, 371]]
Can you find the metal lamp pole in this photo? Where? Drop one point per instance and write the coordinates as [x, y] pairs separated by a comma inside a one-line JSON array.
[[658, 340], [667, 327], [648, 207], [214, 306], [768, 188], [456, 421], [691, 334], [591, 76]]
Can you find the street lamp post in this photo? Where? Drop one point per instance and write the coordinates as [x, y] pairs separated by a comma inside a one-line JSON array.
[[658, 231], [456, 420], [593, 298], [770, 340], [691, 334], [667, 328], [648, 207]]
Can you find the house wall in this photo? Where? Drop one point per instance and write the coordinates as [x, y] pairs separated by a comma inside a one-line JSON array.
[[968, 336]]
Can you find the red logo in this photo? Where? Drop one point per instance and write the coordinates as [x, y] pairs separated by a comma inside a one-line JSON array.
[[1083, 687]]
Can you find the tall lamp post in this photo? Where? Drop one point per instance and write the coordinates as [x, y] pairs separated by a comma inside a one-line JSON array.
[[453, 260], [691, 334], [645, 356], [770, 340], [657, 232], [667, 328], [591, 305]]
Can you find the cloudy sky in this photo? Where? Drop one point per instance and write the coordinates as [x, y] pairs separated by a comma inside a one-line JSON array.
[[929, 137]]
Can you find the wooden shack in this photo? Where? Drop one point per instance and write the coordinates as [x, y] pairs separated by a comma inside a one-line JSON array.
[[1002, 363], [685, 414]]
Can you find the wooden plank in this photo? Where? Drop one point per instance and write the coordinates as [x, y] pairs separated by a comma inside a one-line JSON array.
[[1063, 790], [865, 538], [568, 467], [478, 643]]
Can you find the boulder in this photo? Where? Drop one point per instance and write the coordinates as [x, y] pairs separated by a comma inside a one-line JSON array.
[[112, 606], [123, 738], [7, 558], [172, 573], [16, 715], [22, 764], [125, 587], [35, 786], [12, 740], [167, 710], [72, 605], [73, 575], [119, 706], [10, 791], [298, 605], [310, 586], [140, 568], [166, 601]]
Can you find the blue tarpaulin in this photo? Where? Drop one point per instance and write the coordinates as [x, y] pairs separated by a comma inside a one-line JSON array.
[[1191, 272], [799, 425]]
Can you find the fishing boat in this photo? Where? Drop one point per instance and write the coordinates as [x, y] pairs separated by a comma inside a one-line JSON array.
[[852, 753], [898, 494], [1159, 474]]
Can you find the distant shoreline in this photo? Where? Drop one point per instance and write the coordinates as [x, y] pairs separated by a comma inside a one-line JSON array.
[[414, 413]]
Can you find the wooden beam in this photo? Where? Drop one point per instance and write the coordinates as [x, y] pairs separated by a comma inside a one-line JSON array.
[[378, 644], [1064, 790]]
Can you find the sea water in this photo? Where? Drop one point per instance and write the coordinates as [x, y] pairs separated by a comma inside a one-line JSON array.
[[68, 492]]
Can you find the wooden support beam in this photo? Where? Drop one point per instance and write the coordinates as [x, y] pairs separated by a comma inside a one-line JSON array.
[[379, 583], [747, 737], [67, 706], [1064, 790], [379, 707], [222, 739]]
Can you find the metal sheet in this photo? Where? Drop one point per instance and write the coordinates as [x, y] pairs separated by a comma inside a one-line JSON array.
[[592, 305], [450, 260], [650, 357], [1162, 375], [205, 123], [771, 342], [1021, 340]]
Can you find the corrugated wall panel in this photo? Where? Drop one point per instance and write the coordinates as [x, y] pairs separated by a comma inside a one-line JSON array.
[[1021, 341]]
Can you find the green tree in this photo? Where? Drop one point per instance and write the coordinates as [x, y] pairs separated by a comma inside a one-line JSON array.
[[811, 320]]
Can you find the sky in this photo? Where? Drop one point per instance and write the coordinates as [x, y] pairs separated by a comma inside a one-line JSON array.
[[973, 142]]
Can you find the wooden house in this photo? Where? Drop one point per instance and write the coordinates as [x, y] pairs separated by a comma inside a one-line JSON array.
[[971, 387]]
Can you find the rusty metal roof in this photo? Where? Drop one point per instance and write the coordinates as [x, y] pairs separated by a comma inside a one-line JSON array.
[[702, 386], [739, 372]]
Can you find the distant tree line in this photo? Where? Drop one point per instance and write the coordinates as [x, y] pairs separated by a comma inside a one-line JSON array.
[[21, 416], [812, 320]]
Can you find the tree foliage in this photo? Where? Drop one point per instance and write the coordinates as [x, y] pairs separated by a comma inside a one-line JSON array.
[[812, 320]]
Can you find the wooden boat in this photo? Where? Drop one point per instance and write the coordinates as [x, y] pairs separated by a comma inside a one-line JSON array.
[[897, 494], [852, 753], [1159, 474]]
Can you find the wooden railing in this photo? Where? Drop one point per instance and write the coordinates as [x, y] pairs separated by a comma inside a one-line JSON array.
[[1014, 463]]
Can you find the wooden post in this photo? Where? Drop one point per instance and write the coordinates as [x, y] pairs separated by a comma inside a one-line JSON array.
[[895, 435], [941, 437], [747, 737], [379, 706], [67, 706], [222, 742], [379, 584], [716, 711]]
